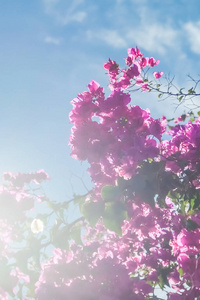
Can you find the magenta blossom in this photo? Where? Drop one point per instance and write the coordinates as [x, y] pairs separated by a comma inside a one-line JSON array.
[[157, 75]]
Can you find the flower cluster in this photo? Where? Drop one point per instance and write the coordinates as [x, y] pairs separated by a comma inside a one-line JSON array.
[[182, 150], [156, 181], [140, 224], [134, 73], [111, 134], [149, 252]]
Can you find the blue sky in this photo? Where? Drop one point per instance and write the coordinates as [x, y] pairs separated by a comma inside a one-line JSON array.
[[51, 49]]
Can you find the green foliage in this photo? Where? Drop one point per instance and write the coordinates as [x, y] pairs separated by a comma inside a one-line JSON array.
[[191, 91], [180, 98], [92, 211], [180, 270], [75, 233], [163, 280], [110, 193], [114, 215], [60, 235]]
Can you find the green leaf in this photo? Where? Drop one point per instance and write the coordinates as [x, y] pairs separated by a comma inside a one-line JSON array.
[[191, 225], [114, 216], [191, 91], [21, 258], [79, 199], [192, 203], [180, 98], [192, 119], [75, 233], [198, 113], [121, 183], [180, 270], [163, 277], [161, 282], [60, 236], [114, 209], [113, 225], [92, 211], [182, 207], [110, 193], [160, 95]]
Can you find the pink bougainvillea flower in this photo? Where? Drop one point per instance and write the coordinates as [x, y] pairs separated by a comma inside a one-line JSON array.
[[111, 66], [145, 87], [134, 71], [143, 62], [139, 81], [157, 75], [93, 86], [124, 148], [152, 62], [134, 52]]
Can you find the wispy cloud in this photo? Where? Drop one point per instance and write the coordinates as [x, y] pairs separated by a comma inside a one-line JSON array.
[[155, 37], [52, 40], [135, 22], [110, 37], [193, 35], [49, 5], [63, 12], [148, 30]]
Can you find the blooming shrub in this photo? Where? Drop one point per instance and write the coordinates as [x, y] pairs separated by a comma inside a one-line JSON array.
[[140, 224]]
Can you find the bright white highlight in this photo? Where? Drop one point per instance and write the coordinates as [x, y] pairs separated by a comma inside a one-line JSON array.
[[37, 226]]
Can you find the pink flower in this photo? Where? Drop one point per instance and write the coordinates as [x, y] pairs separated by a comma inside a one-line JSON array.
[[181, 118], [134, 71], [111, 66], [152, 62], [157, 75], [187, 264], [143, 62], [134, 52], [145, 87], [188, 238], [20, 275], [175, 296], [129, 60], [93, 86], [139, 81]]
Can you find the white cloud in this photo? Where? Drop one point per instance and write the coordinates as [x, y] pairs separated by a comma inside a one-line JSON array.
[[155, 37], [79, 16], [110, 37], [136, 23], [193, 35], [52, 40], [63, 12]]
